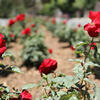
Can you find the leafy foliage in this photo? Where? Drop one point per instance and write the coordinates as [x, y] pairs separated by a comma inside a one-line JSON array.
[[34, 50]]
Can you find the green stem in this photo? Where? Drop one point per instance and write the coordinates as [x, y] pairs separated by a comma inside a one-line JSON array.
[[85, 69]]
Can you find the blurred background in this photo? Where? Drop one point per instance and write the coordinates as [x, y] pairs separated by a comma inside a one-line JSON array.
[[71, 8]]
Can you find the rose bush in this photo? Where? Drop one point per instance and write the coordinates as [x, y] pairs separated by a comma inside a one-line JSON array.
[[26, 31], [5, 93], [57, 86], [20, 17], [34, 51], [79, 87]]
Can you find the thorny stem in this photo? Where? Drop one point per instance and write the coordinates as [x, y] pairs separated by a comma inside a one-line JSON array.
[[46, 92], [86, 55], [50, 86]]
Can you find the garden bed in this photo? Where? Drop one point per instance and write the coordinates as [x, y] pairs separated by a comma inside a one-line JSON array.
[[61, 52]]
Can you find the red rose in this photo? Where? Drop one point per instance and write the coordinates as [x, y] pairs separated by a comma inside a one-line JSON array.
[[93, 15], [26, 31], [92, 45], [12, 35], [79, 25], [20, 17], [64, 21], [11, 22], [33, 25], [50, 51], [53, 20], [93, 28], [72, 47], [25, 95], [2, 45], [47, 66]]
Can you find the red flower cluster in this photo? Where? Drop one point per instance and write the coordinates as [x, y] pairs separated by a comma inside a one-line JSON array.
[[50, 51], [20, 17], [11, 22], [53, 20], [26, 31], [33, 25], [25, 95], [92, 45], [48, 66], [72, 47], [2, 45], [93, 28]]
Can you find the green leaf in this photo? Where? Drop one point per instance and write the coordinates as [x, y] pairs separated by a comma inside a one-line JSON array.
[[59, 80], [96, 89], [29, 86], [7, 89], [15, 69], [41, 82], [78, 70], [59, 93], [73, 98], [82, 43], [76, 60], [97, 93], [8, 54], [50, 98], [69, 81], [53, 93], [89, 81], [91, 64]]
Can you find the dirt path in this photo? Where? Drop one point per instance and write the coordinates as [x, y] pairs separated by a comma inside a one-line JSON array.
[[60, 53]]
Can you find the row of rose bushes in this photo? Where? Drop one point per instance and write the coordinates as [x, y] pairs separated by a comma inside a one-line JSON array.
[[57, 86], [5, 93], [27, 31], [72, 35], [66, 33], [22, 30]]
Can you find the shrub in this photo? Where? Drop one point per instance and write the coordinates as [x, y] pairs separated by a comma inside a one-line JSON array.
[[34, 50]]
